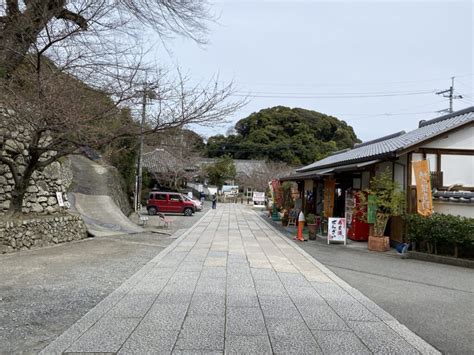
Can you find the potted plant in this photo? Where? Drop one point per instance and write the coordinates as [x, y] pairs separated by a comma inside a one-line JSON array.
[[384, 199], [312, 226], [285, 218]]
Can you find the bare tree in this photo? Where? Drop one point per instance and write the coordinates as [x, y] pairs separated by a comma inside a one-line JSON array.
[[91, 24], [259, 178], [69, 68]]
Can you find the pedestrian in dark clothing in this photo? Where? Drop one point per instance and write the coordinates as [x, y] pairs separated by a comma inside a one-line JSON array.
[[214, 201]]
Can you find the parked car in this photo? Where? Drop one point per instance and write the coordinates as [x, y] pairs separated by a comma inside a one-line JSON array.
[[197, 203], [171, 202]]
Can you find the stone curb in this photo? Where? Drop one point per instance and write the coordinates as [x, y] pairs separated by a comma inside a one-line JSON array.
[[411, 338], [440, 259], [68, 337]]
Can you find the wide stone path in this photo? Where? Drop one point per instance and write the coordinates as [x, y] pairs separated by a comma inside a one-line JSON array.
[[233, 284]]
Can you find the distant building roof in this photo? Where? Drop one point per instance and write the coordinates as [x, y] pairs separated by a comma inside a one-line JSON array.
[[390, 145]]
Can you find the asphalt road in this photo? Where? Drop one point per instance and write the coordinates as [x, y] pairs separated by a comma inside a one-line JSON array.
[[435, 301]]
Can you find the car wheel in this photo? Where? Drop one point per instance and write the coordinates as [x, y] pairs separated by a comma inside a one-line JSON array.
[[188, 212], [152, 211]]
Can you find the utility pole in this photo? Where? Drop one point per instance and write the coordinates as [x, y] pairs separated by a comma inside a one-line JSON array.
[[138, 179], [449, 94]]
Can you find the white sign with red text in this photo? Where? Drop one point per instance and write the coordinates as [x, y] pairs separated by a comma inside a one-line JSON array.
[[337, 230]]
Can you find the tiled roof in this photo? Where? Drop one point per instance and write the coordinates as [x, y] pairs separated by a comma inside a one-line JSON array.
[[388, 145]]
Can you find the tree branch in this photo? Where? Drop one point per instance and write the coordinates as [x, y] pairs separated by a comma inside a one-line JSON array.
[[65, 14], [12, 7]]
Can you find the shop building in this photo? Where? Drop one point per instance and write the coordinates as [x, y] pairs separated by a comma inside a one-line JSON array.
[[446, 142]]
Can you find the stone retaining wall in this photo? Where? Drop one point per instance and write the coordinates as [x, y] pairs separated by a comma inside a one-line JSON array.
[[40, 197], [26, 233]]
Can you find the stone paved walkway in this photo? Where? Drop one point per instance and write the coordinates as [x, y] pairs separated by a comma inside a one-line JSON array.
[[233, 284]]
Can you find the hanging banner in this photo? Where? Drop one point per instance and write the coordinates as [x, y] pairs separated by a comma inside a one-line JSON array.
[[329, 189], [337, 230], [424, 201], [371, 209]]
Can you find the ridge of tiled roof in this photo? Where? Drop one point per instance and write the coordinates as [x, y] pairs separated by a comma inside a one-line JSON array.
[[390, 145], [393, 135], [445, 117]]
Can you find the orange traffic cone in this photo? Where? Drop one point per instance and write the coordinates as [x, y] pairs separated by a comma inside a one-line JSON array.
[[301, 220], [299, 235]]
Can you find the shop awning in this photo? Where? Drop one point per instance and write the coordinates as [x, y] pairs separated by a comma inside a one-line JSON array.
[[314, 174]]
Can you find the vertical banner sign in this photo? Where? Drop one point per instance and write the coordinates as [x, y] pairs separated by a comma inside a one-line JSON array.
[[329, 189], [424, 202], [337, 230], [371, 209]]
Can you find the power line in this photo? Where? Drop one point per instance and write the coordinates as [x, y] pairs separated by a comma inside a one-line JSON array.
[[331, 96], [353, 84]]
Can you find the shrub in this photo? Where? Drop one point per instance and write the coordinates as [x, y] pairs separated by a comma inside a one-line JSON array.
[[441, 230]]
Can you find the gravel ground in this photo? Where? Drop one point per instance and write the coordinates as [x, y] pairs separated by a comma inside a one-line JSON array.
[[44, 291]]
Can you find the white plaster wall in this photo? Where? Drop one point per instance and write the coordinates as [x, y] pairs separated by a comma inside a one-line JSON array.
[[453, 208], [461, 139]]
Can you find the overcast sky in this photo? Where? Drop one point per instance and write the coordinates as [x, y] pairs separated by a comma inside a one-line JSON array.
[[297, 53]]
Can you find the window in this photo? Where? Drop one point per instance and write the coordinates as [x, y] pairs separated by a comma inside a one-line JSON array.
[[161, 197], [175, 198]]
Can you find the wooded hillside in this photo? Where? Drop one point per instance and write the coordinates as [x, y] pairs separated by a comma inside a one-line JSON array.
[[295, 136]]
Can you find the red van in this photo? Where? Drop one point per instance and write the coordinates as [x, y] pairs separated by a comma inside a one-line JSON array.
[[171, 202]]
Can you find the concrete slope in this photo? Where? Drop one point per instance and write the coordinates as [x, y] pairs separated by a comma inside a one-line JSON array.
[[90, 197]]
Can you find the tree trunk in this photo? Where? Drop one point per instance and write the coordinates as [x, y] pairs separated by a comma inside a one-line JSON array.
[[21, 185], [18, 193]]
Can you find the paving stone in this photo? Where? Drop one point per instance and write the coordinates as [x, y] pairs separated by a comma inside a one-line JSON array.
[[242, 299], [196, 352], [174, 296], [247, 345], [133, 305], [202, 333], [337, 342], [320, 316], [214, 272], [291, 280], [233, 284], [296, 344], [278, 307], [107, 335], [166, 316], [305, 296], [350, 309], [245, 321], [217, 254], [270, 288], [264, 274], [330, 291], [146, 337], [203, 304], [379, 338]]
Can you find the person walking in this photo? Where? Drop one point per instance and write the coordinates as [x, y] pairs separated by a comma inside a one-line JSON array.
[[214, 201]]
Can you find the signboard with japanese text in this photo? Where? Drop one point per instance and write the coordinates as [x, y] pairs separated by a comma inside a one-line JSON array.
[[337, 230], [424, 202], [258, 196], [329, 189]]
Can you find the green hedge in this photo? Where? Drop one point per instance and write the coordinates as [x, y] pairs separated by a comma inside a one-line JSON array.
[[441, 232]]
